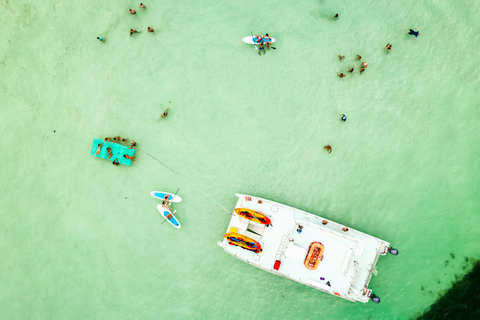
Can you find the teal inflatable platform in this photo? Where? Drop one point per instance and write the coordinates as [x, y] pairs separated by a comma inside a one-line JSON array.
[[118, 151]]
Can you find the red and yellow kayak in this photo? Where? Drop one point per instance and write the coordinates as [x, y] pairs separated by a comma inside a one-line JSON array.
[[245, 242], [253, 216], [314, 256]]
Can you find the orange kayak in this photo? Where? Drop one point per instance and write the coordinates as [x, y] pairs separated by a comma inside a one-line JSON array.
[[253, 216], [245, 242], [314, 256]]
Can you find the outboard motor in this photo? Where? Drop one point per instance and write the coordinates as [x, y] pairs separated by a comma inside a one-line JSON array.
[[374, 298], [392, 251]]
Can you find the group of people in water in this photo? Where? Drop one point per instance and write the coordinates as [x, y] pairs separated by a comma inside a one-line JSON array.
[[363, 66], [116, 139], [132, 31]]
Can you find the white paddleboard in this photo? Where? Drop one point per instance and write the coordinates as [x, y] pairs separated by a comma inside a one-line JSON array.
[[161, 195], [165, 212], [253, 40]]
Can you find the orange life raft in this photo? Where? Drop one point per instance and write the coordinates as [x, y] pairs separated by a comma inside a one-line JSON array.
[[253, 216], [314, 256], [244, 242]]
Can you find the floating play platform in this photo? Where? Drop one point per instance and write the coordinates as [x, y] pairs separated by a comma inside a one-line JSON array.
[[118, 151]]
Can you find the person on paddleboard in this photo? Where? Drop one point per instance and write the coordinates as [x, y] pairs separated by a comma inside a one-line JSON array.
[[165, 204], [268, 40]]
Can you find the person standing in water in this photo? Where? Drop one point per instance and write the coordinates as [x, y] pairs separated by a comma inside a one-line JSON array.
[[150, 29], [389, 47], [101, 39], [359, 57], [132, 31], [351, 69], [344, 118], [414, 33], [336, 16], [142, 6], [341, 57], [132, 12]]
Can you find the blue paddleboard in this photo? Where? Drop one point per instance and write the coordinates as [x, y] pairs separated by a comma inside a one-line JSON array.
[[161, 195]]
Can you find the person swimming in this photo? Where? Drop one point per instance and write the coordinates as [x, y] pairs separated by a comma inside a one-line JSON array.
[[328, 148], [124, 141], [414, 33], [132, 31], [341, 75], [132, 12], [132, 144], [165, 113], [359, 57], [341, 57], [101, 39], [107, 139], [344, 118], [142, 6], [389, 47], [351, 69], [150, 29], [361, 70]]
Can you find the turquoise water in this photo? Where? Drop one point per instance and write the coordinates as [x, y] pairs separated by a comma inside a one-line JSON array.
[[80, 238]]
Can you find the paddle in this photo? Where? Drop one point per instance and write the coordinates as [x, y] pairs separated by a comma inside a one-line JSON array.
[[252, 40], [174, 196]]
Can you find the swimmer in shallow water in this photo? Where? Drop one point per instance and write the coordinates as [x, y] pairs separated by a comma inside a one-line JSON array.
[[107, 139], [341, 57], [165, 113], [341, 75], [132, 144], [414, 33], [336, 16], [344, 118], [328, 148], [142, 6], [132, 12], [132, 31], [361, 70], [359, 57], [389, 47], [364, 65], [351, 69], [101, 39], [150, 29]]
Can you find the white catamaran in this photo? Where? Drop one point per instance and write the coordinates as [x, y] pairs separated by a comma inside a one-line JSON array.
[[312, 250]]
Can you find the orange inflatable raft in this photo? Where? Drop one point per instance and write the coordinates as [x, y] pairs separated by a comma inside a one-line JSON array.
[[247, 243], [314, 256], [253, 216]]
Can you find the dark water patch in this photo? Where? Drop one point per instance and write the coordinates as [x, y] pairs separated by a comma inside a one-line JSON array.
[[461, 301]]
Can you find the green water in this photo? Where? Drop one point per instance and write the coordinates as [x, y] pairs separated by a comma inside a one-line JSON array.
[[82, 239]]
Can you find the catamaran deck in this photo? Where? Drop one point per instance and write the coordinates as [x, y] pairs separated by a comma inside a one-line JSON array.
[[348, 261]]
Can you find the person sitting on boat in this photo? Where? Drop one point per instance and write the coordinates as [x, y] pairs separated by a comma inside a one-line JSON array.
[[115, 162], [110, 154]]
